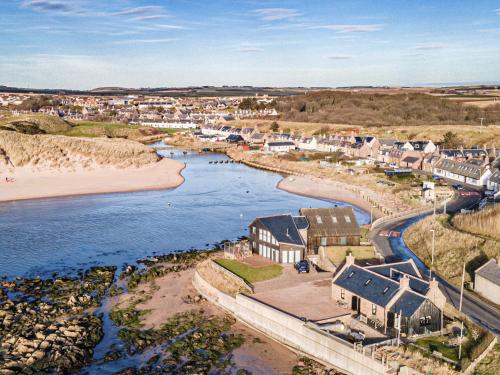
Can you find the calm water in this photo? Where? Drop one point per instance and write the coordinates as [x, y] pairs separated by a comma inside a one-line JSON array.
[[216, 202]]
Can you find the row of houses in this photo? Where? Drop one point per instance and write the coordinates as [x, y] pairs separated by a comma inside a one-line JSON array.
[[470, 166]]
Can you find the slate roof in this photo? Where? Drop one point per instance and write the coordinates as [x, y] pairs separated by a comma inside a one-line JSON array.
[[407, 303], [410, 159], [301, 222], [368, 285], [495, 177], [462, 169], [333, 221], [404, 267], [490, 271], [283, 229]]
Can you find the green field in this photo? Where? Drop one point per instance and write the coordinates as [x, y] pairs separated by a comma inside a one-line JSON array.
[[439, 344], [249, 273], [99, 129]]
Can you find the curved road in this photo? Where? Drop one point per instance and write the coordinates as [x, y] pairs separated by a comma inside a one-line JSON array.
[[476, 309]]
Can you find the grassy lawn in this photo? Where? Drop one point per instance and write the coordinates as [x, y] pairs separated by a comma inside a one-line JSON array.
[[490, 365], [249, 273], [439, 344], [337, 254]]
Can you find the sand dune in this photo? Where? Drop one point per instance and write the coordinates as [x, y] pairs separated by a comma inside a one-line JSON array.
[[29, 184]]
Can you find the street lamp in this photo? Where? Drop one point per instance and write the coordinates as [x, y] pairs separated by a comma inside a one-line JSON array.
[[432, 253], [371, 215]]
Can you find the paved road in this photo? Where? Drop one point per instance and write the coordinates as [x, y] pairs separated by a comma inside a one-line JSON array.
[[476, 309]]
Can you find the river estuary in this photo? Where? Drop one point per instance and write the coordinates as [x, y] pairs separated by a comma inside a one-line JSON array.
[[216, 202]]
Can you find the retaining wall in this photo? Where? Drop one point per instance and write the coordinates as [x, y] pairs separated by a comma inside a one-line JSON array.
[[293, 332]]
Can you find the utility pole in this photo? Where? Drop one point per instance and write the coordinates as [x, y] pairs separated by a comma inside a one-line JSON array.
[[482, 119], [444, 208], [432, 253], [434, 205], [460, 309]]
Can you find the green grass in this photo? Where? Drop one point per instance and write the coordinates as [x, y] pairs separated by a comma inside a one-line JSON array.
[[249, 273], [490, 365], [337, 254], [439, 344], [109, 129]]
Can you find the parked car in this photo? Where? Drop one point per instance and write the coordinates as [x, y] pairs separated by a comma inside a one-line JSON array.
[[489, 193], [457, 187], [302, 266]]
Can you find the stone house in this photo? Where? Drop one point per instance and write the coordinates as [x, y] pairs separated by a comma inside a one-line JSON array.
[[487, 280], [390, 296]]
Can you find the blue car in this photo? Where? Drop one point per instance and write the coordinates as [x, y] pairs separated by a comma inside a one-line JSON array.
[[302, 266]]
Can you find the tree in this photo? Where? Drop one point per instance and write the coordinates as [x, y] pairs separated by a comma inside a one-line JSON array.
[[275, 126], [451, 140]]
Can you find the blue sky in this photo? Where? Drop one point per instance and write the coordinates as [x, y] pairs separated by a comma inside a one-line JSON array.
[[82, 44]]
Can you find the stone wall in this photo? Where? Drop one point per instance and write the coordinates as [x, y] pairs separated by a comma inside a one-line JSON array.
[[302, 336]]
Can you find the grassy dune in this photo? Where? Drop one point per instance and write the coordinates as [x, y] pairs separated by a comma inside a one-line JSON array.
[[111, 130], [484, 223], [55, 151], [46, 123], [452, 247]]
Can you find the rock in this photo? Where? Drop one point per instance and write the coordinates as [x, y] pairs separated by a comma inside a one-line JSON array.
[[39, 354]]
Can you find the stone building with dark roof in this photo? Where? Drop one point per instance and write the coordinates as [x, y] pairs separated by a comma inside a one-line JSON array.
[[390, 296], [335, 226]]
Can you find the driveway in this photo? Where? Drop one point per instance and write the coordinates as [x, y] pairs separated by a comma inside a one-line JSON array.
[[305, 295]]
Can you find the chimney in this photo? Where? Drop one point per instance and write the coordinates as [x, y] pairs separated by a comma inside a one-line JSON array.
[[404, 282], [349, 259], [433, 284]]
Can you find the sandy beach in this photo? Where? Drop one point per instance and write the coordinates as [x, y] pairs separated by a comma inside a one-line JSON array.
[[321, 188], [27, 183]]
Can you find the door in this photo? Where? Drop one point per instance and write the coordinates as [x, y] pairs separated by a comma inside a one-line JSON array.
[[284, 256], [390, 319], [355, 304]]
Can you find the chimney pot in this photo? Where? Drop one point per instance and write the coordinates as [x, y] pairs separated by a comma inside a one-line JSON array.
[[349, 259]]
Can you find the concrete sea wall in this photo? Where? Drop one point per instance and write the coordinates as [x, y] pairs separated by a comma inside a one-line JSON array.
[[303, 336]]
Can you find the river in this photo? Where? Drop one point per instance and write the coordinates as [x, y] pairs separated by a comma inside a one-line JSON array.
[[216, 202]]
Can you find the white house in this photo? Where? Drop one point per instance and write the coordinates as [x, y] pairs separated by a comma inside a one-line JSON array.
[[487, 280], [493, 183], [310, 144], [279, 146], [469, 172]]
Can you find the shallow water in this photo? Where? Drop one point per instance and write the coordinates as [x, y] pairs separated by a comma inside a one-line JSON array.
[[216, 202]]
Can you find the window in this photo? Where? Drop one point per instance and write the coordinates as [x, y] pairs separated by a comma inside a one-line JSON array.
[[425, 321], [343, 241], [374, 309], [347, 219], [323, 241], [334, 220], [351, 274], [261, 235], [319, 220], [342, 293], [368, 282], [254, 230], [386, 289]]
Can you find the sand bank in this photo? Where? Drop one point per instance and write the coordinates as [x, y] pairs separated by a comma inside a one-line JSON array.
[[325, 189], [27, 183]]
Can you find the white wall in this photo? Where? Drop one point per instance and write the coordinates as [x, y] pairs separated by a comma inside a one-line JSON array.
[[291, 331]]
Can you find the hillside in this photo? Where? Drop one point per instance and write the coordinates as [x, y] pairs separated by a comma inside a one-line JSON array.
[[56, 151], [34, 124], [376, 109]]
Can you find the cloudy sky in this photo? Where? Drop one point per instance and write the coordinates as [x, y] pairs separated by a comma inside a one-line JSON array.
[[83, 44]]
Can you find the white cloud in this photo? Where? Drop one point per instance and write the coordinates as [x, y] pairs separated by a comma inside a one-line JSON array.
[[346, 29], [429, 47], [145, 41], [339, 57], [148, 10], [52, 6], [277, 14], [249, 49], [497, 11]]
